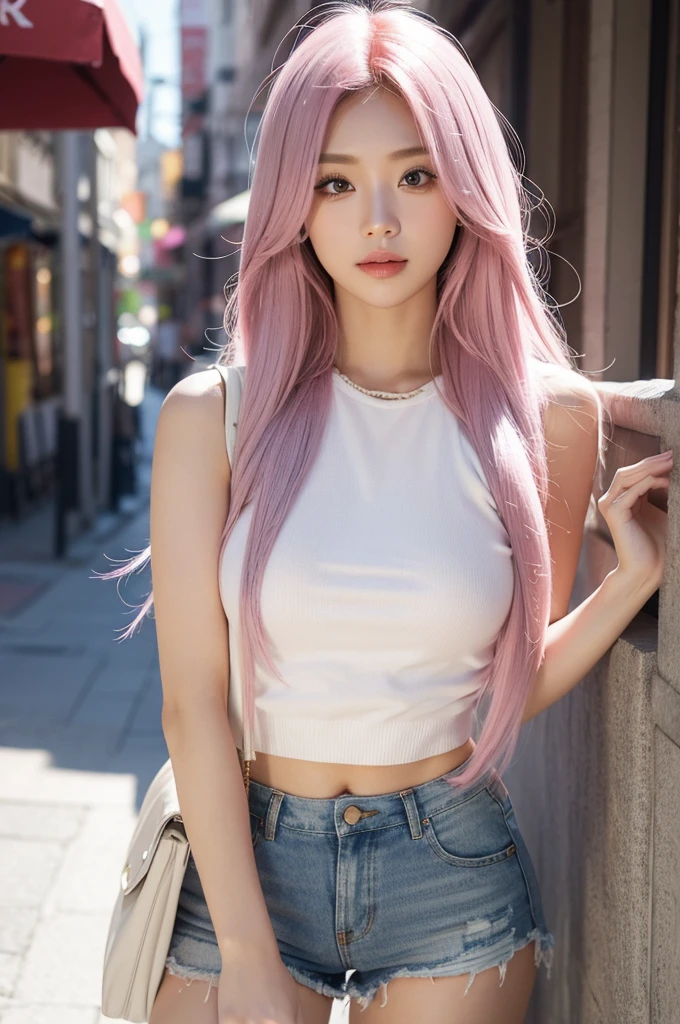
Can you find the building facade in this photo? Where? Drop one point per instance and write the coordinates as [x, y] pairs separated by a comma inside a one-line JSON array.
[[591, 88], [240, 45], [35, 377]]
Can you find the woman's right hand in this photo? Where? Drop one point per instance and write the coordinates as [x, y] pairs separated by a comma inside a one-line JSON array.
[[257, 992]]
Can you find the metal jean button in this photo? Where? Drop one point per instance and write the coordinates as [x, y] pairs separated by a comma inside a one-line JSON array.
[[353, 814]]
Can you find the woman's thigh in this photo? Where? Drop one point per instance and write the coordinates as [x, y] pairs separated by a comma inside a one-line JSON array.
[[179, 1002], [441, 1000]]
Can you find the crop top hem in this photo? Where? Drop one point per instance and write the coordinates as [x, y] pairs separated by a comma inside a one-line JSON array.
[[360, 741]]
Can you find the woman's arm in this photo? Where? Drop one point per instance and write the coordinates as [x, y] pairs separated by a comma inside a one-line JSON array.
[[576, 641], [189, 505]]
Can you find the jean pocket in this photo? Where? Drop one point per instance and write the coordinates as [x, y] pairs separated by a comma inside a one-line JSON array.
[[472, 834]]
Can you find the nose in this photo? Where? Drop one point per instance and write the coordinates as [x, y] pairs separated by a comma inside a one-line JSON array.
[[380, 218]]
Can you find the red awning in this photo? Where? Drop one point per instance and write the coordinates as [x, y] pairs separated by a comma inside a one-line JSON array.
[[67, 64]]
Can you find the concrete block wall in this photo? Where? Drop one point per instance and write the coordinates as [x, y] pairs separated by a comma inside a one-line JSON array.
[[596, 783]]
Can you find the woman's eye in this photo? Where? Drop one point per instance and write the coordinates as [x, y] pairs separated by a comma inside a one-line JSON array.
[[335, 179], [323, 186], [428, 175]]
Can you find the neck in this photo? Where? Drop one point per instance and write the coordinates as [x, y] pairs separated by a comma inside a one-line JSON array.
[[404, 384], [386, 349]]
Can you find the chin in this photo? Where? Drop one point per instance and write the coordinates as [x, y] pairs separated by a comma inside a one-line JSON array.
[[371, 297], [386, 298]]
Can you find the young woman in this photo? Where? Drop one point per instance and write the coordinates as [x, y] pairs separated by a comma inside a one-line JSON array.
[[395, 543]]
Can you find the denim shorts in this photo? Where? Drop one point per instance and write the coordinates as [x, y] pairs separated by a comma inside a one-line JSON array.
[[424, 882]]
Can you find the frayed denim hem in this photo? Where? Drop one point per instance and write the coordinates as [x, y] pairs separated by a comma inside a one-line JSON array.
[[322, 987], [543, 954], [191, 974]]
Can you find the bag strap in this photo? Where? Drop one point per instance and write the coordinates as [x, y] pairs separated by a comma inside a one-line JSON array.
[[233, 377]]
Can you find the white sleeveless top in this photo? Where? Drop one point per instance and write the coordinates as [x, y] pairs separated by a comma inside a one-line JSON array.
[[385, 590]]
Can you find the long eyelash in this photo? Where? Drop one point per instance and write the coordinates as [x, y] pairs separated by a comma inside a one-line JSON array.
[[431, 175], [330, 177], [339, 177]]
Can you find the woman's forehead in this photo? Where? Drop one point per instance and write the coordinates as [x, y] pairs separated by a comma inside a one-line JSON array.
[[376, 121]]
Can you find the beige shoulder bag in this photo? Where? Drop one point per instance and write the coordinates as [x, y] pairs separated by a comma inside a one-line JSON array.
[[144, 914]]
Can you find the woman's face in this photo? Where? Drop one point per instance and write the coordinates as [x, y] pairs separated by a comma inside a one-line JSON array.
[[377, 190]]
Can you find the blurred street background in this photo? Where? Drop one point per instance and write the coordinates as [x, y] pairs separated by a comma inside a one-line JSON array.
[[125, 135]]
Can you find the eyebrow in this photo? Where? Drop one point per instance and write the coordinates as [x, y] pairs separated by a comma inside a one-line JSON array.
[[399, 154]]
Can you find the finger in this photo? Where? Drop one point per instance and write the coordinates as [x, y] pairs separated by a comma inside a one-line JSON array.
[[629, 475], [647, 464], [630, 495]]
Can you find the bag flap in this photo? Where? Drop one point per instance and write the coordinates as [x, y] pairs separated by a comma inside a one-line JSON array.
[[159, 807]]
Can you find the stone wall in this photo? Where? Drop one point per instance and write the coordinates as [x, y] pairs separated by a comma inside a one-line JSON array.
[[596, 783]]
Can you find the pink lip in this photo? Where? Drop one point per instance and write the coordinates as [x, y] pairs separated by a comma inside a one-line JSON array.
[[381, 256], [383, 269]]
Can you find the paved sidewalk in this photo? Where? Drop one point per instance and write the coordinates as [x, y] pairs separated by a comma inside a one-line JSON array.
[[80, 739]]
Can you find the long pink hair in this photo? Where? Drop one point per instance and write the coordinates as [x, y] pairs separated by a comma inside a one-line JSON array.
[[492, 328]]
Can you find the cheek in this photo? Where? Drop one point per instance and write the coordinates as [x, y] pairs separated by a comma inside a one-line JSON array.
[[432, 231], [331, 235]]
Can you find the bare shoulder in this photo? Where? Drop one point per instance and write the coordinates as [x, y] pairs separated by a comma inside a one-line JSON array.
[[572, 410], [198, 391], [192, 413], [564, 383]]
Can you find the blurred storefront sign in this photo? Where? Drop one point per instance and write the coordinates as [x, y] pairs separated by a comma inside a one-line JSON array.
[[29, 411], [134, 203], [194, 18], [17, 338], [67, 64], [175, 237], [194, 44], [171, 171]]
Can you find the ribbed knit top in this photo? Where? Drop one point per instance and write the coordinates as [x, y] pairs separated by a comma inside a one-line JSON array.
[[385, 590]]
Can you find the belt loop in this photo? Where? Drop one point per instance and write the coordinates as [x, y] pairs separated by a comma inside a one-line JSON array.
[[272, 814], [412, 813]]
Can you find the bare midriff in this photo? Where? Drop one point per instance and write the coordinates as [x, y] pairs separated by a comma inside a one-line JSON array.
[[325, 780]]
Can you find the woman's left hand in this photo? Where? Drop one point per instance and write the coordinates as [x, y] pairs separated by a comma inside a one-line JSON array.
[[638, 528]]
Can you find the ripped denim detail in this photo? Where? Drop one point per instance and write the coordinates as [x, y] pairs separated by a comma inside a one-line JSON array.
[[191, 974], [543, 954]]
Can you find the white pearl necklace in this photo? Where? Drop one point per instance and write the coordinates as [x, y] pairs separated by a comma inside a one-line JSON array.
[[380, 394]]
